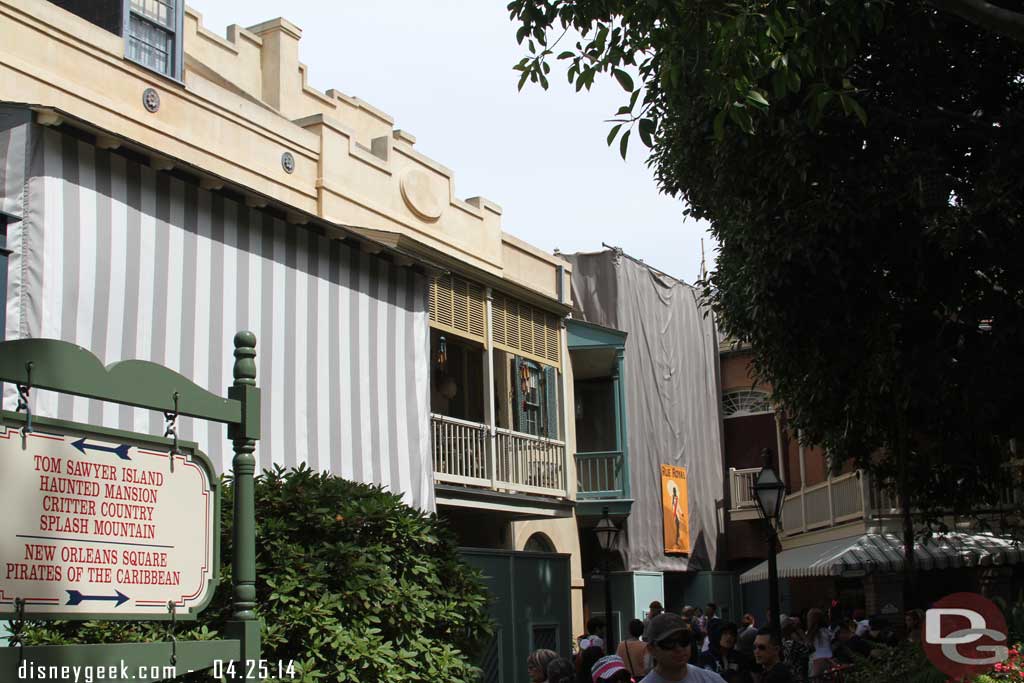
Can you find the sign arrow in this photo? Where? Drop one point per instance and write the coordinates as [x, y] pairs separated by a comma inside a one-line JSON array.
[[75, 597], [121, 451]]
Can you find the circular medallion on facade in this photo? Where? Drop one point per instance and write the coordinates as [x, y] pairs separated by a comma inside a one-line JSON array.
[[421, 194], [151, 100], [288, 162]]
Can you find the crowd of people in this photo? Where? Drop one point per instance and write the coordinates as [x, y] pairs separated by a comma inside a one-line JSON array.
[[696, 646]]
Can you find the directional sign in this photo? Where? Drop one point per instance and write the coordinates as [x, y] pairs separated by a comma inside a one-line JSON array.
[[95, 529]]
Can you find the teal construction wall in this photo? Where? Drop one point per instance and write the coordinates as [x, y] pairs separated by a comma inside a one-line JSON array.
[[531, 607], [722, 588]]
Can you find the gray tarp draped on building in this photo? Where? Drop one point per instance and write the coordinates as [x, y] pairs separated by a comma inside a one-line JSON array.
[[672, 399], [131, 263]]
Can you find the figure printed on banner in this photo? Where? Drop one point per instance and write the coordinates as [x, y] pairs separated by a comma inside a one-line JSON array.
[[674, 504]]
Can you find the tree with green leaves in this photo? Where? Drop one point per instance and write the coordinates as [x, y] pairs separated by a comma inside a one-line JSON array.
[[860, 166]]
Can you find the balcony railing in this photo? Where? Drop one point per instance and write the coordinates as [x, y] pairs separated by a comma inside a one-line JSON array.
[[599, 475], [510, 461], [829, 503], [741, 481], [832, 502]]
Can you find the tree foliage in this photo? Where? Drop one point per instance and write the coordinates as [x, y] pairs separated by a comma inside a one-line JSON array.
[[352, 585], [860, 165]]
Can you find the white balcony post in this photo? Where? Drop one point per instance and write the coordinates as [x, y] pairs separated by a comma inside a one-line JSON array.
[[778, 446], [803, 510], [568, 454], [831, 508], [490, 440]]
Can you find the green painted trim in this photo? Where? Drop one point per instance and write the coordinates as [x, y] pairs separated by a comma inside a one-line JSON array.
[[189, 448], [190, 655], [465, 493], [621, 422], [583, 335], [616, 493], [63, 366], [595, 508]]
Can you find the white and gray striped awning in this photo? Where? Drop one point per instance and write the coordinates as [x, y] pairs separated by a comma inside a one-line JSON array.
[[883, 552], [129, 262]]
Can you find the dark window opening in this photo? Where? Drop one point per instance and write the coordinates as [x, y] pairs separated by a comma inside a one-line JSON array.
[[107, 14], [545, 637]]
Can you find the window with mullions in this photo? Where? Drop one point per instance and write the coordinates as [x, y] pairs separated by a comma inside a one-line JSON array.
[[532, 397], [536, 394], [153, 34]]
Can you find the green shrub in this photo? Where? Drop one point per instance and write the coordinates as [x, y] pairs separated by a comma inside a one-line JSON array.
[[352, 585], [905, 663]]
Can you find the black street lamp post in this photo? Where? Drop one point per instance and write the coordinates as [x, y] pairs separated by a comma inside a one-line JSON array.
[[607, 532], [769, 492]]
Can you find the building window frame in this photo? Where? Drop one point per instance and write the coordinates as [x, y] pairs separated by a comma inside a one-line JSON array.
[[173, 28], [745, 402]]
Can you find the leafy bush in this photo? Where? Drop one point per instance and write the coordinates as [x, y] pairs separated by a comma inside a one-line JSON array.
[[352, 584], [905, 663]]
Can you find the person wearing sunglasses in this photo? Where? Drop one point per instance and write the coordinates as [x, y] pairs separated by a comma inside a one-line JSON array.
[[671, 646], [767, 651]]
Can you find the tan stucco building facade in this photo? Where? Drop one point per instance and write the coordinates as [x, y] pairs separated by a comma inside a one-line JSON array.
[[236, 115]]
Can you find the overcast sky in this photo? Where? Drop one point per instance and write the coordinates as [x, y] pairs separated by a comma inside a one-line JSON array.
[[443, 70]]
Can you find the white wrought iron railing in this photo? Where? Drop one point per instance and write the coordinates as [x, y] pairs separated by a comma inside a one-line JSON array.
[[530, 464], [460, 451], [741, 482], [464, 454], [832, 502]]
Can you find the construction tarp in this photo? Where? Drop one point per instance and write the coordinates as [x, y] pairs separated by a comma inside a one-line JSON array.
[[672, 400]]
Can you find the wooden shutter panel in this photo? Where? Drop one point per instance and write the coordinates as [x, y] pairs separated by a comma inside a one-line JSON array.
[[521, 328], [457, 306], [517, 377]]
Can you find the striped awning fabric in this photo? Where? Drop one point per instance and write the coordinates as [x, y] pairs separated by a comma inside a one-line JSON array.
[[883, 552]]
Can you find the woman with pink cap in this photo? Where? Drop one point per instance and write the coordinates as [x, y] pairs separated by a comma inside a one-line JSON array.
[[610, 669]]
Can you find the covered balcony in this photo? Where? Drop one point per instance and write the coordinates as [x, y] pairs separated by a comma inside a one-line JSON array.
[[602, 459], [496, 404]]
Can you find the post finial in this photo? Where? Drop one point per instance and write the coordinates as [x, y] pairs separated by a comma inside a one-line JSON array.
[[245, 353]]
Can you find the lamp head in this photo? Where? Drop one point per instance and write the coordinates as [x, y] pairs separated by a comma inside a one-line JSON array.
[[768, 489], [606, 532]]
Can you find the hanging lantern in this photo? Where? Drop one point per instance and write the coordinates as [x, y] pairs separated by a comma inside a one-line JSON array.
[[442, 354]]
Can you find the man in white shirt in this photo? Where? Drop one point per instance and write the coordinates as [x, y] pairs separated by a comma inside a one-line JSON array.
[[671, 645]]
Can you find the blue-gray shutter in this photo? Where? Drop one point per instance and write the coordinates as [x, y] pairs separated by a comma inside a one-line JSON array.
[[551, 401], [517, 369]]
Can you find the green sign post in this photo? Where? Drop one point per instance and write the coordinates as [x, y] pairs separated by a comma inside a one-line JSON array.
[[100, 501]]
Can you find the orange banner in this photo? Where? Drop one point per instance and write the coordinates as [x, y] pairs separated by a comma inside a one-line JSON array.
[[675, 513]]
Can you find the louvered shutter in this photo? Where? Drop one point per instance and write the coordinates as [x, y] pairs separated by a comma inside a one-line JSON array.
[[524, 329], [457, 306], [519, 410], [551, 401]]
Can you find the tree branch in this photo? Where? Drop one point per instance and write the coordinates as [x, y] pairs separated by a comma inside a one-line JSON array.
[[986, 15]]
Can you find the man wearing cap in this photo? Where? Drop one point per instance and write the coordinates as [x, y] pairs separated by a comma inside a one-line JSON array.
[[670, 645]]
